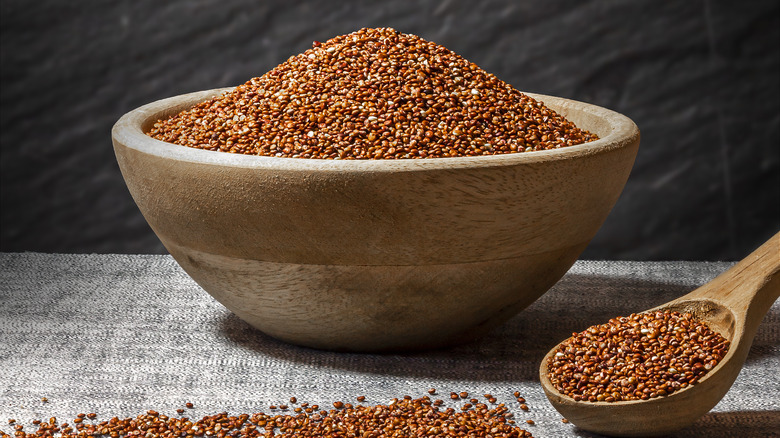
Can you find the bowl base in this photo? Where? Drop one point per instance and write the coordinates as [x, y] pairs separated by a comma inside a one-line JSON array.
[[375, 308]]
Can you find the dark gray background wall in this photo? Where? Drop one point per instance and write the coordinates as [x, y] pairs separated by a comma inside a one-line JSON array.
[[700, 79]]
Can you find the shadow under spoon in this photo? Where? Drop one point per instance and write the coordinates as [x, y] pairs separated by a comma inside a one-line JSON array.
[[733, 304]]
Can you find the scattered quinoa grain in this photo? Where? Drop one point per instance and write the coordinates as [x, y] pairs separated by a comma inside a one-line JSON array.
[[404, 417], [372, 94]]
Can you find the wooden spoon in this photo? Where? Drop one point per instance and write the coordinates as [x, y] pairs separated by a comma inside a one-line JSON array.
[[733, 304]]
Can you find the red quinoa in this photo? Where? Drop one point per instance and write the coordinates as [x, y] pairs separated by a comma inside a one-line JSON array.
[[403, 417], [637, 357], [372, 94]]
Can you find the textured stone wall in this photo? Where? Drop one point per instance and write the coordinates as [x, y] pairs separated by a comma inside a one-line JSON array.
[[700, 79]]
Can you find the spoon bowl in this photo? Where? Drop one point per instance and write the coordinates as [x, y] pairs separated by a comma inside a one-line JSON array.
[[733, 304]]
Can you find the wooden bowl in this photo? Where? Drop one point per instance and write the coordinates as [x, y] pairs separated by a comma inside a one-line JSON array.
[[375, 255]]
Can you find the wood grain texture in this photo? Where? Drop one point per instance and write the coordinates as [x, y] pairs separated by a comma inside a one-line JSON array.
[[500, 228], [375, 308], [733, 304]]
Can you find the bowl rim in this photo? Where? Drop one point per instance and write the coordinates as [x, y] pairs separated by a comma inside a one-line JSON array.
[[128, 131]]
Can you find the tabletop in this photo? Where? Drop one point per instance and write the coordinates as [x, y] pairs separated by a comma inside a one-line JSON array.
[[119, 335]]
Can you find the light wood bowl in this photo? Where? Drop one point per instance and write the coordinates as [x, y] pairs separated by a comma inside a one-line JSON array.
[[376, 255]]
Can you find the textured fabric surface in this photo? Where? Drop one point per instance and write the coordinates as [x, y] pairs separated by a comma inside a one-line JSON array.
[[121, 334]]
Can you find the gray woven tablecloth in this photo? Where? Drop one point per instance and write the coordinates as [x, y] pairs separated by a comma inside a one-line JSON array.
[[121, 334]]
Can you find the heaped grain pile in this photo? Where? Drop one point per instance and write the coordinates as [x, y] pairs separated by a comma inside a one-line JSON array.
[[636, 357], [400, 418], [372, 94]]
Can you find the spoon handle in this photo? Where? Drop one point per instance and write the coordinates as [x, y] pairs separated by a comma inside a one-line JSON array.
[[750, 287]]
